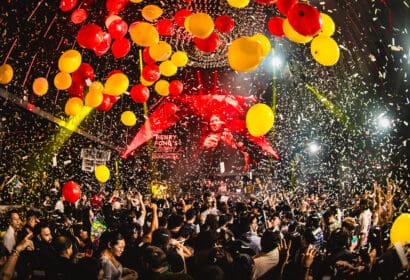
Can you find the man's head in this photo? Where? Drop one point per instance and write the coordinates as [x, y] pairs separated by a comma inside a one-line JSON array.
[[63, 246], [32, 219], [43, 233], [215, 123]]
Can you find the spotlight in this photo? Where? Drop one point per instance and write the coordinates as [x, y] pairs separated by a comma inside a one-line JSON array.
[[384, 122], [313, 147], [277, 61]]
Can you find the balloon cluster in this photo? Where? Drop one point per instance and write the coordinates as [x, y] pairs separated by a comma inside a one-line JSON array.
[[304, 24]]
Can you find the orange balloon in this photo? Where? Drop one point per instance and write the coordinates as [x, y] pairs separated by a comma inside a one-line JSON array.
[[40, 86], [73, 106], [6, 74], [144, 34], [62, 80]]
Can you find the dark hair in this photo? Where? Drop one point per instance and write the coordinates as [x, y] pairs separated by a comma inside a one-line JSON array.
[[269, 241], [61, 244], [39, 226], [210, 272], [154, 257], [161, 238], [190, 214], [11, 212], [338, 240], [175, 221], [88, 268], [242, 267], [114, 237]]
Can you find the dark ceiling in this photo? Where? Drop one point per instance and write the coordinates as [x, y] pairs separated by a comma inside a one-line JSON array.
[[370, 79]]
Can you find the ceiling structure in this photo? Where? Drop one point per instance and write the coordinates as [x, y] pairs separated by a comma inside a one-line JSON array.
[[368, 83]]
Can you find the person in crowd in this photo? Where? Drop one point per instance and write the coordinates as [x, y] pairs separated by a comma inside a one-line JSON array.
[[194, 235], [15, 224], [113, 269], [59, 206], [8, 269], [269, 256]]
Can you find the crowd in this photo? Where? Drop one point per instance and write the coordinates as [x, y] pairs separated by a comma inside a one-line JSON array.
[[219, 230]]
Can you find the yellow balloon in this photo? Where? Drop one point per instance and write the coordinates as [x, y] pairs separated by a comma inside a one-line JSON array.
[[168, 68], [151, 12], [96, 86], [6, 74], [69, 61], [179, 58], [40, 86], [162, 87], [259, 119], [201, 25], [73, 106], [144, 34], [244, 54], [399, 231], [128, 118], [102, 173], [160, 51], [238, 3], [145, 82], [116, 84], [325, 50], [292, 35], [265, 43], [328, 25], [94, 99], [62, 81]]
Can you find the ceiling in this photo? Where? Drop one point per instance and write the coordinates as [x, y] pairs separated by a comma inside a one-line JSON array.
[[369, 80]]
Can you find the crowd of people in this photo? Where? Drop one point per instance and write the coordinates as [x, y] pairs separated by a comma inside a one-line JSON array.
[[232, 230]]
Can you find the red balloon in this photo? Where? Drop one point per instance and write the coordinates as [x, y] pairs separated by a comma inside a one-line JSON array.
[[104, 46], [139, 93], [284, 5], [67, 5], [114, 99], [82, 74], [120, 47], [118, 28], [305, 19], [115, 6], [71, 191], [175, 87], [180, 16], [78, 16], [97, 201], [165, 27], [209, 44], [151, 72], [106, 104], [146, 57], [90, 36], [266, 2], [275, 26], [170, 109], [224, 24], [76, 90]]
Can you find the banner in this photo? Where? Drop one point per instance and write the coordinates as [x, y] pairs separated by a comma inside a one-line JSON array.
[[167, 146]]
